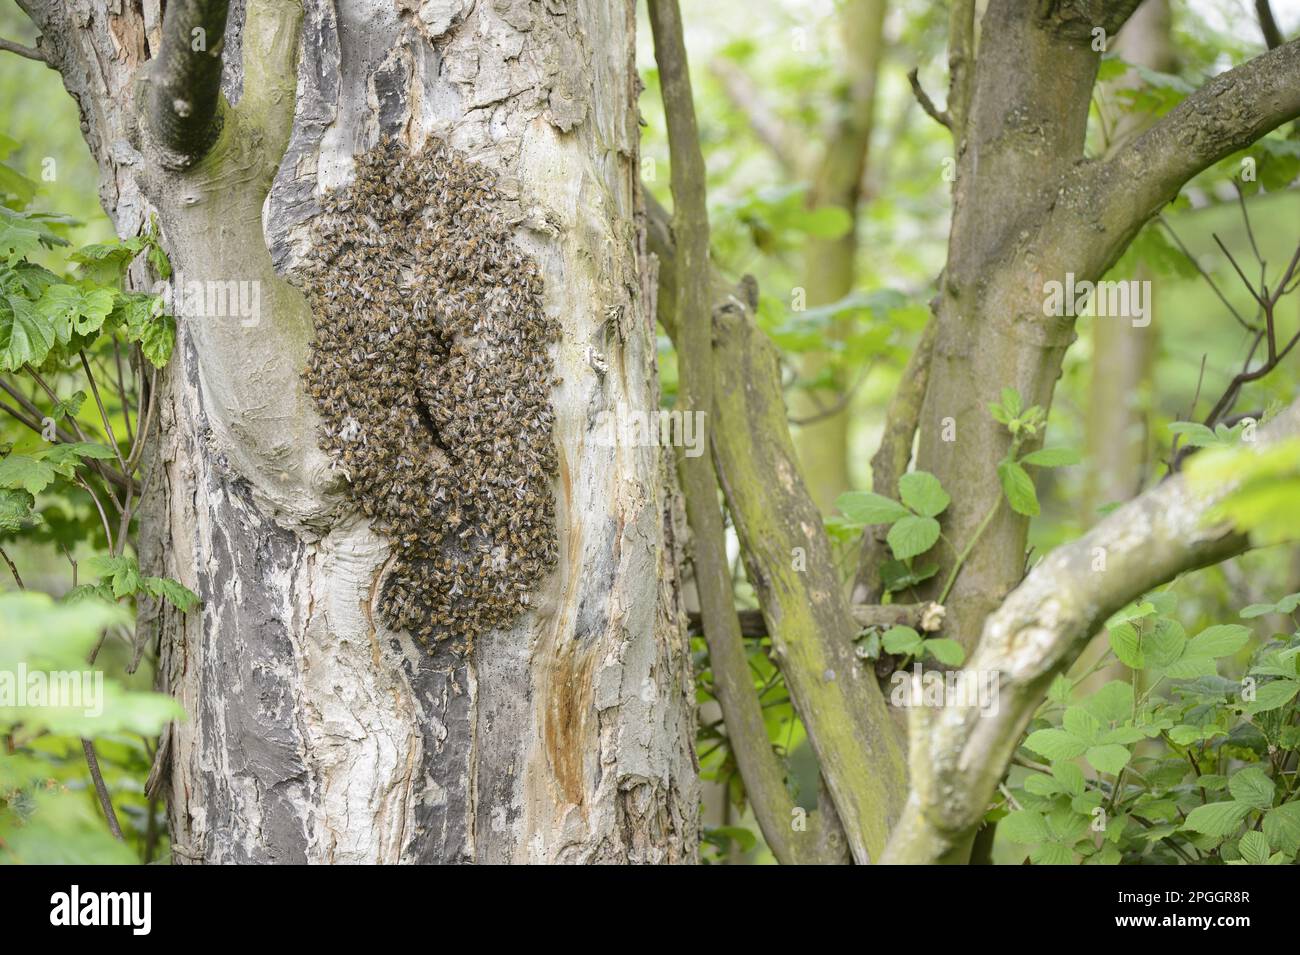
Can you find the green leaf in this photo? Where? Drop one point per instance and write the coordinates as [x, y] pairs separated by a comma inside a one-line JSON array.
[[1218, 641], [912, 535], [1126, 643], [1108, 758], [122, 572], [1051, 458], [1271, 696], [1077, 721], [1254, 848], [179, 596], [79, 310], [1055, 744], [1069, 776], [865, 507], [922, 492], [26, 336], [1019, 488], [946, 651], [902, 641], [27, 472], [1024, 826], [157, 340], [1198, 435], [1252, 787], [15, 509], [1282, 827], [1011, 402], [1051, 853], [1216, 818], [1112, 703]]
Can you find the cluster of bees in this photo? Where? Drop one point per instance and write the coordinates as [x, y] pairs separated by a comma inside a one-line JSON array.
[[431, 370]]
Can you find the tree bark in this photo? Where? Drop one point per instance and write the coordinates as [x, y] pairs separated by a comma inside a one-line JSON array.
[[314, 733]]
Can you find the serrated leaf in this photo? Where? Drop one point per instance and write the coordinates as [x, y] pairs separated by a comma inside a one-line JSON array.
[[1024, 826], [1108, 758], [1077, 721], [866, 507], [1282, 827], [1126, 643], [1051, 458], [912, 535], [1055, 744], [1019, 488], [922, 492], [1112, 703], [902, 641], [946, 651], [175, 593], [1051, 853], [1217, 818], [1254, 848], [26, 336], [1252, 786], [1218, 641], [1272, 695], [27, 472]]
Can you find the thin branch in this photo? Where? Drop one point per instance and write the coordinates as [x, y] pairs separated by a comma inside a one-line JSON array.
[[9, 46], [101, 789], [940, 116], [1228, 113], [1268, 25], [12, 569]]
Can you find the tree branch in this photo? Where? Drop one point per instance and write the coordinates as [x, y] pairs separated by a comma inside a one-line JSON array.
[[1268, 25], [1227, 114], [939, 116], [958, 756], [746, 730], [961, 60], [9, 46], [788, 559], [183, 105]]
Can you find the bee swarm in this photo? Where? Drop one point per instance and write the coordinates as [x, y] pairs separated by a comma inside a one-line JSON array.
[[432, 372]]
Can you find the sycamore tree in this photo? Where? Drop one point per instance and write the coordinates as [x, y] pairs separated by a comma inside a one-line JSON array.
[[384, 297]]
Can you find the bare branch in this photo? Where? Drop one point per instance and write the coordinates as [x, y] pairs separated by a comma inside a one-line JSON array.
[[1228, 113], [9, 46], [1268, 25], [958, 755], [938, 115]]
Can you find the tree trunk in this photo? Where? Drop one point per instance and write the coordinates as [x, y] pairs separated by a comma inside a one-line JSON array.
[[315, 733]]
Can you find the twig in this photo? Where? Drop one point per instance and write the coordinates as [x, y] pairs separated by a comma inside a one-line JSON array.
[[101, 790], [12, 569], [939, 116], [9, 46]]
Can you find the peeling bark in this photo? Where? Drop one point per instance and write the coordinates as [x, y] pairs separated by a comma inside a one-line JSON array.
[[315, 735]]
